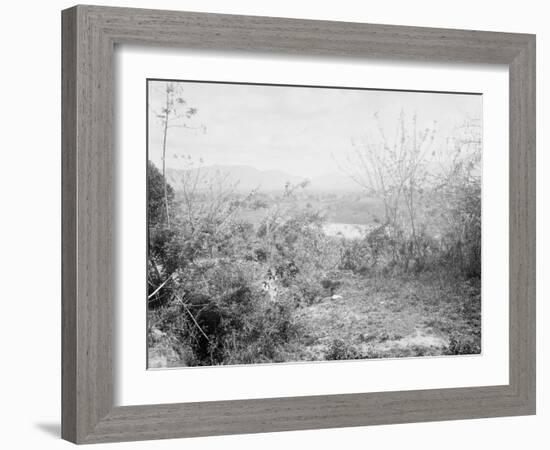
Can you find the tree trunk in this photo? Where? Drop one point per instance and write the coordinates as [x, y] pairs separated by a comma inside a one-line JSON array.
[[166, 117]]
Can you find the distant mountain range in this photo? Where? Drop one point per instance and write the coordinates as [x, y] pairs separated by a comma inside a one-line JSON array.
[[249, 178]]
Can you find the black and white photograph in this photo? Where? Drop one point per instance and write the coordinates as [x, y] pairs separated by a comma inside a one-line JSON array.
[[292, 224], [275, 225]]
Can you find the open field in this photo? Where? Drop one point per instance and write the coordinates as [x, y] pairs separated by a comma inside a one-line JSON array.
[[385, 318], [348, 208]]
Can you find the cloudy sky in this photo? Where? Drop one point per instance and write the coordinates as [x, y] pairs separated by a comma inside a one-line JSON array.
[[299, 130]]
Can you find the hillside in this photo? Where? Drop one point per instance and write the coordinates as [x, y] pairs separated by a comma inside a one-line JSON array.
[[248, 178]]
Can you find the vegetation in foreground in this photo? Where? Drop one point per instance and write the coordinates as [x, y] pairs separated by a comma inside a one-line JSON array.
[[249, 277]]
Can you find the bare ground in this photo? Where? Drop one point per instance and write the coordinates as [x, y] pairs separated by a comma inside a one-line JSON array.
[[396, 317]]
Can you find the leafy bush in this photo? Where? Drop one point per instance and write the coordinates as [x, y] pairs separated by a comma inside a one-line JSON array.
[[340, 350], [226, 318], [462, 346], [156, 211], [306, 289], [260, 336], [357, 256]]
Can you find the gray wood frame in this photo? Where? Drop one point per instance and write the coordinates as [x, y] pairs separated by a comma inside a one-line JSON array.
[[89, 36]]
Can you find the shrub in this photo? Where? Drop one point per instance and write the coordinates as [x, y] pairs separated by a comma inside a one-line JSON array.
[[304, 289], [261, 335], [356, 256], [340, 350], [462, 346], [221, 314], [375, 251]]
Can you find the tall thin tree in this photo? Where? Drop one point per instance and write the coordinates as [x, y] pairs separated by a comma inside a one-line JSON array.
[[174, 113]]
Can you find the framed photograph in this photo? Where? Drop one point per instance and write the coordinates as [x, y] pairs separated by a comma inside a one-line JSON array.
[[277, 224]]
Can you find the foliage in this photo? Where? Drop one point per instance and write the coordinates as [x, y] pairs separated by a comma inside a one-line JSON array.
[[155, 196], [213, 303], [227, 319], [340, 350], [431, 196], [459, 201], [459, 346], [396, 171], [173, 113], [223, 289]]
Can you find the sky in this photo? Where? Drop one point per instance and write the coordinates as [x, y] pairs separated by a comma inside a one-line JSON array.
[[302, 131]]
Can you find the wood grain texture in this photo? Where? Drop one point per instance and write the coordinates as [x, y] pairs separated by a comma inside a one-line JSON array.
[[68, 225], [522, 191], [89, 36]]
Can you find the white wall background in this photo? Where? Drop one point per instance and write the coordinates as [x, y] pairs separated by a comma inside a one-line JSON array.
[[30, 222]]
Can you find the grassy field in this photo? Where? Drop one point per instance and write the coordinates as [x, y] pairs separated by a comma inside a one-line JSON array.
[[336, 208], [384, 318]]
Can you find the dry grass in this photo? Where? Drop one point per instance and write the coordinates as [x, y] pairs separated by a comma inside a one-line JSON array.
[[370, 317], [393, 317]]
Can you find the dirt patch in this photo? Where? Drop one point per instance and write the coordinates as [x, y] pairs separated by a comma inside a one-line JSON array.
[[419, 339], [382, 318]]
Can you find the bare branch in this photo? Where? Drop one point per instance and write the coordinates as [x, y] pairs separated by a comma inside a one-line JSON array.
[[182, 303], [160, 287]]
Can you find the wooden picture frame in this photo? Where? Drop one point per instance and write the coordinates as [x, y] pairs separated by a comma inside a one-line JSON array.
[[90, 34]]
